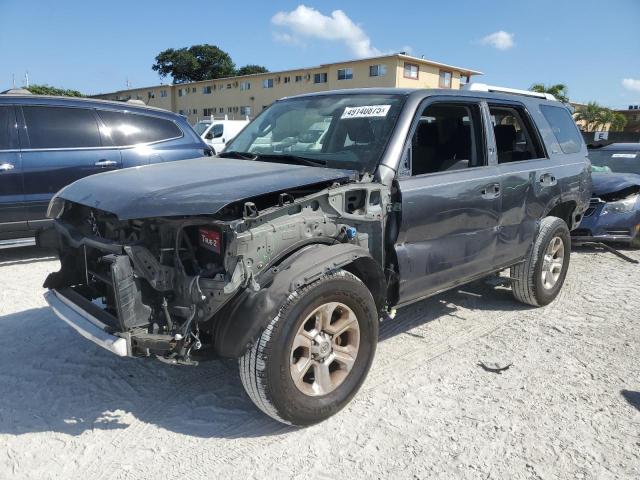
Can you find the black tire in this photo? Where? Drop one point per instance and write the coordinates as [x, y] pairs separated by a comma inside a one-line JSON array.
[[527, 276], [265, 366]]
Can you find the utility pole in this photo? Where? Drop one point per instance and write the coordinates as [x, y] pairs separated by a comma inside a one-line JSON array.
[[13, 76], [26, 79]]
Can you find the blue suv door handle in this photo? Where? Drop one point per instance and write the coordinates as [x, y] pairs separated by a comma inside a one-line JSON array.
[[5, 167], [105, 163]]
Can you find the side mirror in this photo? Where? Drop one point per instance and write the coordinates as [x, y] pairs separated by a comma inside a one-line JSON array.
[[209, 136]]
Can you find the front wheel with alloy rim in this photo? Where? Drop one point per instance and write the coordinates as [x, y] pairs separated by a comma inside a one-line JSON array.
[[312, 358], [537, 280]]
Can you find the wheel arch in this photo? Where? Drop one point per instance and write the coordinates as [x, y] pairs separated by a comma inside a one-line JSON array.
[[565, 211], [240, 322]]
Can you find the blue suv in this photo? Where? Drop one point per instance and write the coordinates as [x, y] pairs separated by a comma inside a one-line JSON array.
[[47, 143]]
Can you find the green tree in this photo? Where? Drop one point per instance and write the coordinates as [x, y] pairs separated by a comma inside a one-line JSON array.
[[251, 69], [198, 62], [590, 114], [43, 89], [559, 90], [618, 123]]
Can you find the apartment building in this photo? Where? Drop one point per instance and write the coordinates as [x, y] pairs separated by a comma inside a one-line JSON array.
[[248, 95]]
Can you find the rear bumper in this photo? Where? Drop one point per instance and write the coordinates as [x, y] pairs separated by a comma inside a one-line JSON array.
[[86, 324]]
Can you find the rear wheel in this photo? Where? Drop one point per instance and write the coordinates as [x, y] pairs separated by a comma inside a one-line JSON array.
[[314, 355], [538, 279]]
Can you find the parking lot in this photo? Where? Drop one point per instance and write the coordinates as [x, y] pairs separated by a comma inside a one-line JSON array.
[[568, 407]]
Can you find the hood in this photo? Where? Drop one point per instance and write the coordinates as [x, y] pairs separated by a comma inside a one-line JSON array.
[[192, 187], [607, 183]]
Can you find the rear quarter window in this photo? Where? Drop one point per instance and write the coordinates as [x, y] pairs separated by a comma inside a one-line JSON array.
[[61, 127], [563, 127], [125, 128]]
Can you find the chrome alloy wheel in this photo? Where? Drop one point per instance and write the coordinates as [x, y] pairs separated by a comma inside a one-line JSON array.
[[324, 349], [552, 263]]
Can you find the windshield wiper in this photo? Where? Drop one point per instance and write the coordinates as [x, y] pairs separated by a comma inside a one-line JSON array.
[[312, 162], [240, 155]]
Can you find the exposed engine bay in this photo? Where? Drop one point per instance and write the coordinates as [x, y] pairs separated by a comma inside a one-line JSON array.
[[162, 282]]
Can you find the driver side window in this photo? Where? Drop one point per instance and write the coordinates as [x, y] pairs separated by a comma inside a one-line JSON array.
[[448, 137]]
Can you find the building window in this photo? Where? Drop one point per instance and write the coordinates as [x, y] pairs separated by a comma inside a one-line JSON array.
[[267, 83], [245, 86], [464, 79], [151, 95], [221, 110], [193, 90], [182, 92], [181, 112], [345, 73], [206, 90], [411, 70], [194, 111], [228, 86], [445, 79], [163, 93], [207, 112], [287, 79], [320, 78], [377, 70], [298, 78], [246, 110]]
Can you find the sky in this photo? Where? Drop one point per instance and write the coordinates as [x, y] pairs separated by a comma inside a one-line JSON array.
[[591, 46]]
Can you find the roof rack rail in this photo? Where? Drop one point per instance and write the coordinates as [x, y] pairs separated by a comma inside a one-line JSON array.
[[483, 87]]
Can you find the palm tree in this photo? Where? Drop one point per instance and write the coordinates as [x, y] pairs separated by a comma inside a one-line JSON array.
[[618, 122], [559, 90], [590, 114]]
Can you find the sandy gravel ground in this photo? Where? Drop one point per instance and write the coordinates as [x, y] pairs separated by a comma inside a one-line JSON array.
[[569, 406]]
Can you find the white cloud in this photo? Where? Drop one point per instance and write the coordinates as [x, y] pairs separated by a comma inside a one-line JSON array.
[[631, 84], [306, 22], [501, 40]]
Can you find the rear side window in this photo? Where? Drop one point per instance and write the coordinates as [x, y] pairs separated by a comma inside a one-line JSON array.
[[516, 140], [130, 128], [563, 127], [7, 124], [61, 127]]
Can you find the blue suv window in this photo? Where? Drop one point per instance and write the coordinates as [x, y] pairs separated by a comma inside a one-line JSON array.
[[7, 123], [563, 127], [130, 129], [61, 127]]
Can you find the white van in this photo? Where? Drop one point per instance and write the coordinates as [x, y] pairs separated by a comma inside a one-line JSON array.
[[217, 133]]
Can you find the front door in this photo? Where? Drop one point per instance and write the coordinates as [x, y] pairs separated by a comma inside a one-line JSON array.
[[64, 145], [451, 200], [12, 212]]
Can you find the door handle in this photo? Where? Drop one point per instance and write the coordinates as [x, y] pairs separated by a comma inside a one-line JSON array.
[[5, 167], [548, 180], [491, 191], [105, 163]]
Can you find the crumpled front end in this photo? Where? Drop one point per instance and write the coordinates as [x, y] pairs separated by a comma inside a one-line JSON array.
[[611, 217]]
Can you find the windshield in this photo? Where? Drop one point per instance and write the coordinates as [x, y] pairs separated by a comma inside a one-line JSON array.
[[200, 127], [621, 161], [339, 131]]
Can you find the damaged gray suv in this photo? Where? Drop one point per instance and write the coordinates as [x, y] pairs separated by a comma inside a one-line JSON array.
[[323, 216]]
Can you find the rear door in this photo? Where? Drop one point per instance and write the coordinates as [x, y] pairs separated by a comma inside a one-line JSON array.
[[12, 211], [450, 200], [528, 178], [63, 145]]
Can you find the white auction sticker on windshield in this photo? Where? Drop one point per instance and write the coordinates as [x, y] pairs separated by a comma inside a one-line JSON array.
[[366, 111], [624, 155]]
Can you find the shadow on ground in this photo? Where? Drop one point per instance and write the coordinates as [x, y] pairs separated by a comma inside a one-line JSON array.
[[632, 398], [54, 380], [24, 255]]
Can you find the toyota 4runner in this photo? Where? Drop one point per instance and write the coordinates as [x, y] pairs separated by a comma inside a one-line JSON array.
[[285, 252]]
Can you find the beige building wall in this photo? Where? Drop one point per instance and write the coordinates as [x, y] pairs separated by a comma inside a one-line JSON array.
[[237, 96]]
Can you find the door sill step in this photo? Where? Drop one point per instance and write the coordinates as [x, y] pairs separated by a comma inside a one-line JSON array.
[[17, 242]]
